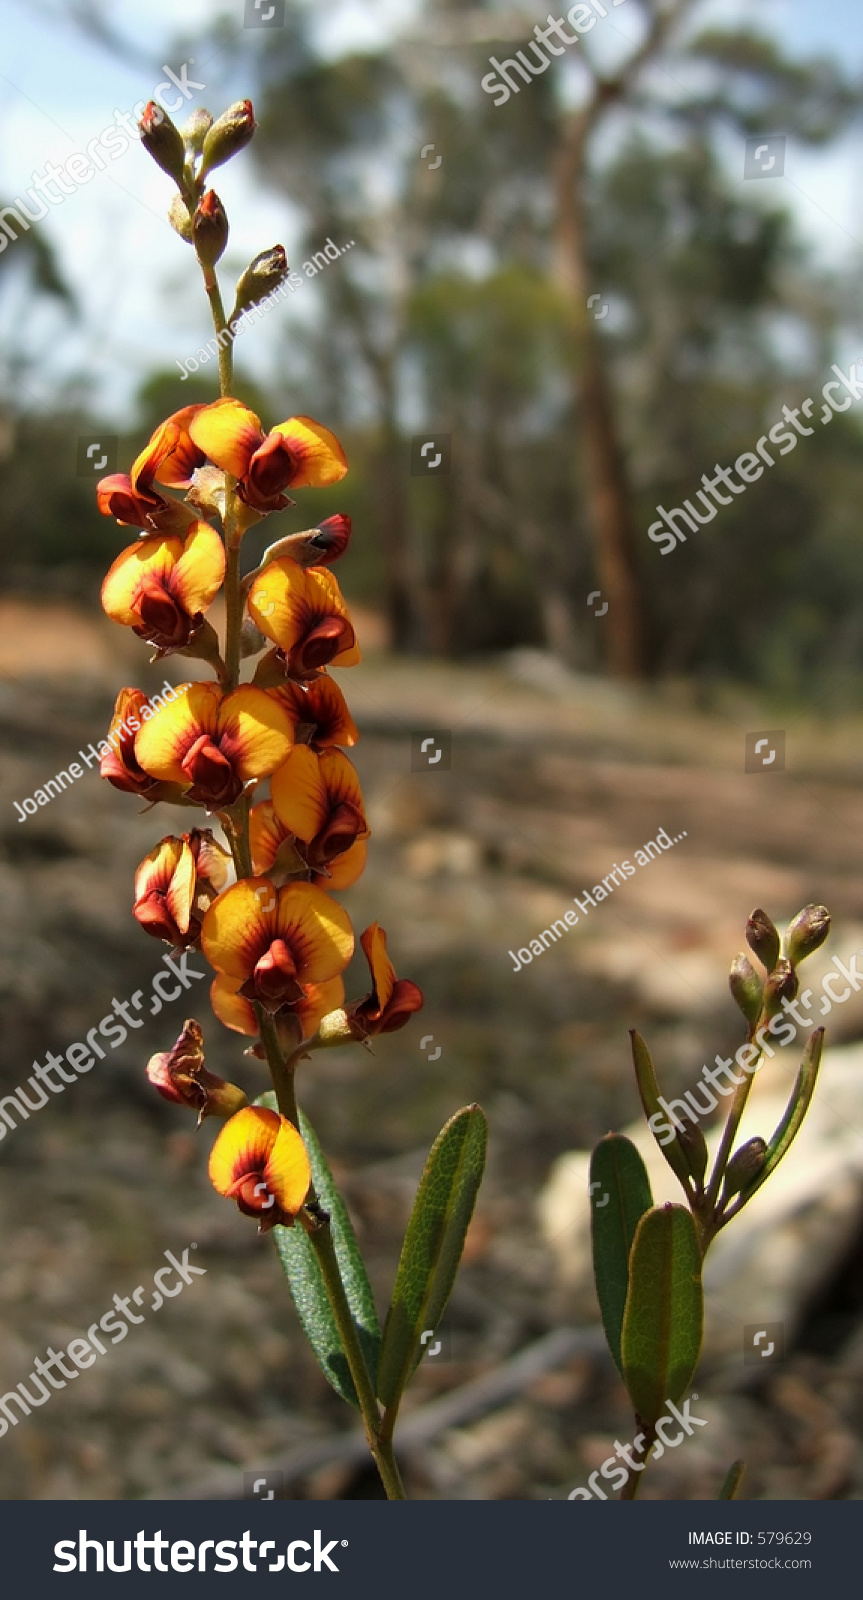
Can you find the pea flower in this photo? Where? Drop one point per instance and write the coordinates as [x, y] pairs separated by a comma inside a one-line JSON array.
[[176, 884], [276, 941], [161, 586], [118, 763], [260, 1161], [169, 458], [213, 744], [319, 713], [294, 1022], [296, 454], [392, 1000], [180, 1076], [303, 611], [317, 798]]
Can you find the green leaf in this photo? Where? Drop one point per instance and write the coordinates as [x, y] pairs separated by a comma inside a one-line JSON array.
[[662, 1322], [648, 1089], [297, 1255], [733, 1480], [795, 1111], [432, 1246], [619, 1196]]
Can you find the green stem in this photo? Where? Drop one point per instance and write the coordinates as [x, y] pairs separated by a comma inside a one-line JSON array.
[[729, 1133], [233, 613], [220, 323], [633, 1482]]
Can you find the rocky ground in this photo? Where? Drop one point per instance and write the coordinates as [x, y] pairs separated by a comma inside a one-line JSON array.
[[551, 782]]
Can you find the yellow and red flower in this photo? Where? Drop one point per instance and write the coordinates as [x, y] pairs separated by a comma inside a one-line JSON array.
[[296, 454], [296, 1021], [170, 458], [180, 1076], [274, 942], [392, 1000], [317, 798], [319, 713], [260, 1161], [162, 585], [176, 884], [303, 611], [119, 764], [268, 834], [213, 743]]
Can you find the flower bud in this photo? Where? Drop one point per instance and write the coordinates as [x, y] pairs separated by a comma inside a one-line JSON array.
[[195, 129], [746, 987], [210, 228], [260, 278], [745, 1164], [228, 135], [179, 1075], [806, 932], [162, 141], [692, 1143], [178, 216], [781, 985], [761, 936]]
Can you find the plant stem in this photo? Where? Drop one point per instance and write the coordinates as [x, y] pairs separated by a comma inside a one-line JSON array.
[[220, 323], [233, 613], [729, 1133], [633, 1482]]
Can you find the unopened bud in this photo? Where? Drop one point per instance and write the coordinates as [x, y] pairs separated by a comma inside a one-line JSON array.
[[746, 987], [781, 985], [195, 129], [210, 228], [163, 142], [806, 932], [762, 937], [692, 1143], [228, 134], [178, 216], [336, 1028], [745, 1164], [260, 278]]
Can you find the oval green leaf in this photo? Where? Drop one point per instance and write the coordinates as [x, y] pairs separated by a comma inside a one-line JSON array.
[[306, 1281], [619, 1196], [432, 1247], [664, 1313]]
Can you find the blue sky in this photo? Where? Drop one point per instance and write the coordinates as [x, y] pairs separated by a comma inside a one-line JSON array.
[[135, 279]]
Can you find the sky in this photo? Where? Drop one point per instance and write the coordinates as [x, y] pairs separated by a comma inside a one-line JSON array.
[[142, 304]]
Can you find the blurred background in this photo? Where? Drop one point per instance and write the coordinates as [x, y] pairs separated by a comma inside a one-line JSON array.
[[583, 303]]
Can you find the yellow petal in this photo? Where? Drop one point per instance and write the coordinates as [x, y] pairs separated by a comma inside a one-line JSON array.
[[199, 573], [318, 1001], [166, 736], [181, 892], [317, 931], [319, 456], [228, 433], [299, 793], [255, 732], [244, 1145], [156, 557], [240, 926], [265, 835], [322, 707], [342, 781], [158, 868], [345, 869], [287, 1172], [374, 943], [231, 1007]]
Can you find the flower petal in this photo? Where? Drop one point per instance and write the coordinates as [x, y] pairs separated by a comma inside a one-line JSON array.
[[266, 834], [200, 570], [146, 559], [374, 943], [169, 733], [170, 456], [255, 732], [320, 459], [231, 1007], [240, 926], [299, 793], [229, 434], [244, 1145], [346, 868], [319, 999], [323, 708], [288, 1173], [316, 929]]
